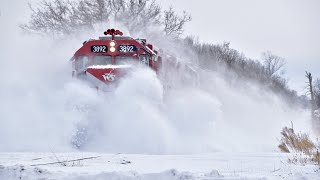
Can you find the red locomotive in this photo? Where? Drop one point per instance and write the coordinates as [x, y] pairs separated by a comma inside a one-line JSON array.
[[105, 60]]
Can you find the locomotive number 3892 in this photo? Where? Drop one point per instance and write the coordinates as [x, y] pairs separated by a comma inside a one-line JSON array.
[[127, 48], [99, 49]]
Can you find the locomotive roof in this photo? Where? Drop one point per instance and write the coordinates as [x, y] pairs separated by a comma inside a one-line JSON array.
[[115, 38], [115, 35]]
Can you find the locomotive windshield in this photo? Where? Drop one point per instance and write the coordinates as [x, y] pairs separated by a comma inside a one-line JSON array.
[[102, 60], [124, 60], [81, 62]]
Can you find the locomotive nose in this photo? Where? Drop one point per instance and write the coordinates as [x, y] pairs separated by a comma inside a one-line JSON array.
[[108, 73]]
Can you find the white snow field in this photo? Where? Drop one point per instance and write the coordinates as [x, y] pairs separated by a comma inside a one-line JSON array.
[[189, 133], [133, 166]]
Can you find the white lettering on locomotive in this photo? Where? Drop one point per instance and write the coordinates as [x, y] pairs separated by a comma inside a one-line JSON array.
[[126, 48]]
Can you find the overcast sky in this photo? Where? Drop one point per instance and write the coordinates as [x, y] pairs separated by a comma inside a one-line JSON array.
[[288, 28]]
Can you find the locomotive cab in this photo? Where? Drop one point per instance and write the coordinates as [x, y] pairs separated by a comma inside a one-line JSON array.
[[105, 60]]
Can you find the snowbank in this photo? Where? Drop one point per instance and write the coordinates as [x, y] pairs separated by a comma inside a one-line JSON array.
[[168, 167]]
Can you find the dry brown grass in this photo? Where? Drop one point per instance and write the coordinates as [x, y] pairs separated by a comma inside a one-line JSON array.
[[295, 142], [300, 144], [316, 158]]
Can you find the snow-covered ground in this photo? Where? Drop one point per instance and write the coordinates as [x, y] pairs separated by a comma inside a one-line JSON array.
[[42, 107], [134, 166]]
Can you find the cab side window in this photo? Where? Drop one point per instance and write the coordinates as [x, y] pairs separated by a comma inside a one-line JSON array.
[[81, 63], [144, 59]]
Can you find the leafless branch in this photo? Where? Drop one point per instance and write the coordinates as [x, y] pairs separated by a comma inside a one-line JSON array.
[[64, 17], [272, 63], [64, 162], [174, 23]]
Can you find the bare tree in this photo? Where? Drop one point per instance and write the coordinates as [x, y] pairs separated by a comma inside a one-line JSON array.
[[64, 17], [310, 89], [50, 17], [272, 63], [174, 23], [312, 94], [137, 15], [317, 93]]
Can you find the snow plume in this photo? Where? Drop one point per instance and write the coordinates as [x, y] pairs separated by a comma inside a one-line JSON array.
[[43, 109]]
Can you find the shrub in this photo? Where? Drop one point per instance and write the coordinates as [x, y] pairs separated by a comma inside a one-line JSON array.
[[303, 148], [296, 142]]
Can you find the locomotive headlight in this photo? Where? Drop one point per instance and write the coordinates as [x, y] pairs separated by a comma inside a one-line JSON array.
[[112, 49], [112, 43]]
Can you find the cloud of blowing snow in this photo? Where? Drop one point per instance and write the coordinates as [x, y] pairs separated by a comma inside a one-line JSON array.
[[42, 106]]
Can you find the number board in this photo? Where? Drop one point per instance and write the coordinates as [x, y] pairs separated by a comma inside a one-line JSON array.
[[127, 48], [99, 49]]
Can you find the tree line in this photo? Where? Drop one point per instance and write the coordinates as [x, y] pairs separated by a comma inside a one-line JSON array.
[[267, 72], [66, 17]]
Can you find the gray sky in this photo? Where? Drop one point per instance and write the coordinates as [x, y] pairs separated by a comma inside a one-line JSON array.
[[288, 28]]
